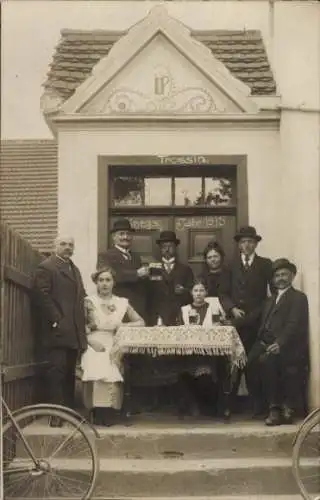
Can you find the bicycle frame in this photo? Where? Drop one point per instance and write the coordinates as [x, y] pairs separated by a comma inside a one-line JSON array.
[[24, 441]]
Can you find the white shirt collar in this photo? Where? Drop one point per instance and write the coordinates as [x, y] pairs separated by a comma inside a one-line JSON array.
[[123, 250], [65, 261], [281, 292], [250, 260], [169, 261]]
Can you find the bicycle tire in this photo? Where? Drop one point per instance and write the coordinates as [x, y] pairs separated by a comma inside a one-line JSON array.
[[303, 432], [48, 413]]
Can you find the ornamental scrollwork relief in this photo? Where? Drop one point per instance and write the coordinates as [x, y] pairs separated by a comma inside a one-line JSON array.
[[185, 100]]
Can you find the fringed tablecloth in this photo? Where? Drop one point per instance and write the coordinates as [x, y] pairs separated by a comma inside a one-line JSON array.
[[180, 341]]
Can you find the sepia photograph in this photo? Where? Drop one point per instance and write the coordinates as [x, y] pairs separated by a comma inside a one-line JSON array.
[[160, 250]]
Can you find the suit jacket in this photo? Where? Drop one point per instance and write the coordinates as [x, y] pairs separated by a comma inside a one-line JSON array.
[[247, 290], [164, 302], [59, 298], [127, 282], [287, 323]]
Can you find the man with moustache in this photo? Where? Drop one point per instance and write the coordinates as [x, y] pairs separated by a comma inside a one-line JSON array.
[[171, 290], [59, 299], [131, 275], [281, 350], [243, 292]]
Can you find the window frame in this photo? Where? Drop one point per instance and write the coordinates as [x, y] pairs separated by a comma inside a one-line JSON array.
[[202, 172]]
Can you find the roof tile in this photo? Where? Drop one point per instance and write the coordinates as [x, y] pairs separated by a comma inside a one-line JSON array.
[[241, 51], [29, 189]]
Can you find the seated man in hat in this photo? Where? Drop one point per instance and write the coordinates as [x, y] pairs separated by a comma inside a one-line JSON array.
[[281, 350], [169, 293], [243, 292], [130, 275]]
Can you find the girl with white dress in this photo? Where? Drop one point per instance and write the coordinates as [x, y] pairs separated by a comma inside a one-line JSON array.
[[103, 379], [199, 376]]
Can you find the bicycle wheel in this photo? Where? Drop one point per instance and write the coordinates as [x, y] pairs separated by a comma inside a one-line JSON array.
[[306, 459], [45, 462]]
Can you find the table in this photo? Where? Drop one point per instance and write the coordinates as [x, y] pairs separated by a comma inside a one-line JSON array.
[[193, 340]]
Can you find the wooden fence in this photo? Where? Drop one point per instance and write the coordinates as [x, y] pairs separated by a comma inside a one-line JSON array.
[[18, 342]]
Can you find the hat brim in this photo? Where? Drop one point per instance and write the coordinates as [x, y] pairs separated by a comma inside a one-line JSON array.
[[168, 240], [239, 237], [291, 267], [115, 230]]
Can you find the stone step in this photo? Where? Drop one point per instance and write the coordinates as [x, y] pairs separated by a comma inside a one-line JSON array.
[[228, 497], [153, 478], [207, 441], [197, 477]]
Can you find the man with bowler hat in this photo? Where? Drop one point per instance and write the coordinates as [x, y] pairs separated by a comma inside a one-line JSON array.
[[244, 291], [131, 275], [281, 350], [171, 290]]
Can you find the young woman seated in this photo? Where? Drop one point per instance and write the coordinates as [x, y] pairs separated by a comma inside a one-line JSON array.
[[199, 374], [102, 377]]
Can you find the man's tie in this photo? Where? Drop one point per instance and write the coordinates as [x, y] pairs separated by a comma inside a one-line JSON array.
[[246, 262], [168, 265], [127, 254]]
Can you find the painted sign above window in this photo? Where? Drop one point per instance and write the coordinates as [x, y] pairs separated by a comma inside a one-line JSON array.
[[183, 160]]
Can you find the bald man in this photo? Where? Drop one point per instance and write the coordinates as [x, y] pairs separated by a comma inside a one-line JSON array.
[[59, 298]]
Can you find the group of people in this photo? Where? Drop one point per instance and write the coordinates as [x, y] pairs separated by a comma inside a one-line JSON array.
[[251, 292]]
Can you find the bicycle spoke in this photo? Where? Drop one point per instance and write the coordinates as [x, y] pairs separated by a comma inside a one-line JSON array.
[[54, 476], [76, 485], [65, 441]]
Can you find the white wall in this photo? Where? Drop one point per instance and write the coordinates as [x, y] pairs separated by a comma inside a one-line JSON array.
[[297, 70], [78, 185]]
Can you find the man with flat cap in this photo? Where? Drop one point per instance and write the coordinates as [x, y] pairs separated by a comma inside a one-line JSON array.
[[281, 350], [244, 291], [131, 275], [171, 290]]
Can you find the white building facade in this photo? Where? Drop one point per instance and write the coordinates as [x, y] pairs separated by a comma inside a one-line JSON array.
[[163, 132]]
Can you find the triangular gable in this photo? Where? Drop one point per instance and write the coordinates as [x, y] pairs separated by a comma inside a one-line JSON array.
[[159, 68]]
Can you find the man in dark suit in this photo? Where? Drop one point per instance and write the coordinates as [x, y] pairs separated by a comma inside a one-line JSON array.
[[171, 289], [59, 299], [281, 351], [130, 281], [244, 291]]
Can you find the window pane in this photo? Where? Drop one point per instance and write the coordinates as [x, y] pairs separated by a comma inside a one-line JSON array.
[[188, 191], [127, 191], [218, 191], [158, 191]]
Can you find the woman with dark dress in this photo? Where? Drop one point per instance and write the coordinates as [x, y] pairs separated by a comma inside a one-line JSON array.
[[213, 268]]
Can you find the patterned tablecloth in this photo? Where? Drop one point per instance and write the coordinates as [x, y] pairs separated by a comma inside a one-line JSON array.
[[180, 341]]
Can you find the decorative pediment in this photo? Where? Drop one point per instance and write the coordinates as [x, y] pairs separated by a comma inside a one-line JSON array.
[[158, 68]]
